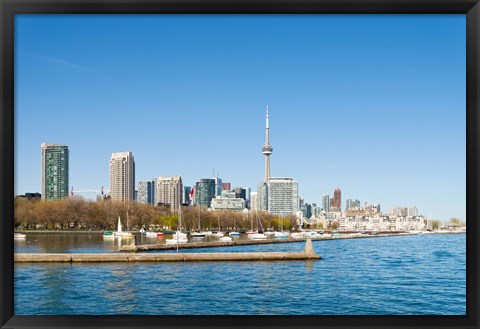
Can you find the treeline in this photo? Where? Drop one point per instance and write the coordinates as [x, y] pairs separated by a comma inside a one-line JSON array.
[[75, 213]]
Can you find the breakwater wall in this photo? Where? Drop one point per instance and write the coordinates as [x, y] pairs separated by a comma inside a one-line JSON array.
[[307, 254], [214, 244]]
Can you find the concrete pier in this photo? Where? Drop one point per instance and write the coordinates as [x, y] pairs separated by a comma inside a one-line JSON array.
[[213, 244], [307, 254]]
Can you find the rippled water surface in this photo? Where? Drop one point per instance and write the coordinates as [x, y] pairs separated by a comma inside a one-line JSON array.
[[413, 275]]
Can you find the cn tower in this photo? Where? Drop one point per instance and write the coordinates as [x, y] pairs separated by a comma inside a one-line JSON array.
[[267, 150]]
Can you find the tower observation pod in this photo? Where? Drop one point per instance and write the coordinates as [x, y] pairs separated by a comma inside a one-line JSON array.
[[267, 150]]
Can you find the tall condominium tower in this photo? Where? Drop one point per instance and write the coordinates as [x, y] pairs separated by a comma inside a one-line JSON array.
[[326, 202], [337, 195], [122, 176], [267, 150], [169, 191], [55, 170], [204, 192], [282, 196]]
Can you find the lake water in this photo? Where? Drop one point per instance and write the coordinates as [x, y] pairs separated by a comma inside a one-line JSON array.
[[401, 275]]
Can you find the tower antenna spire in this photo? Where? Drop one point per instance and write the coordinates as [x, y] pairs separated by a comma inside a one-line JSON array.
[[267, 149]]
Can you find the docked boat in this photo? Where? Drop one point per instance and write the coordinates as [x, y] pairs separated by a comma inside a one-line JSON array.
[[312, 234], [176, 240], [218, 234], [269, 233], [197, 234], [258, 236], [281, 235], [120, 233], [19, 236], [108, 235], [153, 234], [234, 234], [296, 235], [225, 239]]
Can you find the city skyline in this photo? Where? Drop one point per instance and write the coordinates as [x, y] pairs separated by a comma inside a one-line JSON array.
[[340, 112]]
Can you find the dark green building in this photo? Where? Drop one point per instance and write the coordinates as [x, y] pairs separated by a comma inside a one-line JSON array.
[[204, 192], [55, 171]]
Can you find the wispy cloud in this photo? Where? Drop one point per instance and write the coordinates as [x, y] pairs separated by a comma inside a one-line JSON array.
[[60, 61]]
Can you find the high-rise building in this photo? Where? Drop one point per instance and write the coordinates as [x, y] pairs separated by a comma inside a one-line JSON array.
[[326, 202], [412, 211], [226, 186], [169, 191], [282, 196], [262, 196], [352, 204], [122, 176], [145, 193], [204, 192], [186, 195], [55, 171], [240, 193], [218, 186], [253, 201], [337, 196], [267, 150]]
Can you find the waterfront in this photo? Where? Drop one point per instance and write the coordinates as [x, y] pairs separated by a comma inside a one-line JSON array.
[[414, 274]]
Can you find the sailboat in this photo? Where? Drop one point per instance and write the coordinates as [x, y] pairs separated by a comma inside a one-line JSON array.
[[218, 234], [259, 235], [120, 233], [178, 237], [234, 233]]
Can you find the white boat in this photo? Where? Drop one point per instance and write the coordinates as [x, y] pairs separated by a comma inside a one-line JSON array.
[[176, 240], [19, 236], [120, 233], [178, 237], [234, 234], [151, 234], [197, 234], [312, 234], [269, 233], [179, 234], [258, 236], [281, 235], [296, 235], [225, 239], [218, 234]]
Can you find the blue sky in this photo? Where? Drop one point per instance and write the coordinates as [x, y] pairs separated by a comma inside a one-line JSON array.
[[374, 104]]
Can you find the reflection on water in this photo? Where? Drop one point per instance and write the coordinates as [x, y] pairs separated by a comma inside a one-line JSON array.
[[86, 242]]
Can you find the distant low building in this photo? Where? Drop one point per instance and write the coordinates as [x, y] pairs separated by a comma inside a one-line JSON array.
[[30, 196], [225, 203]]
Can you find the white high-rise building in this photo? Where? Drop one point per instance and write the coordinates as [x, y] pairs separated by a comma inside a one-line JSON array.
[[282, 196], [122, 176], [326, 202], [253, 201], [168, 191]]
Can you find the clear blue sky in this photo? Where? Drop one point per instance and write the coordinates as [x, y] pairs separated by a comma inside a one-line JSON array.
[[374, 104]]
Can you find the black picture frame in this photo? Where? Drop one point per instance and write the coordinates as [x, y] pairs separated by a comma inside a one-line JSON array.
[[9, 8]]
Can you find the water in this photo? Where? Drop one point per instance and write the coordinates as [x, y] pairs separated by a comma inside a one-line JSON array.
[[403, 275]]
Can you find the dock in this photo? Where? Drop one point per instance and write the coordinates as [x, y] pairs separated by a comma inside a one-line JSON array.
[[307, 254], [215, 244]]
